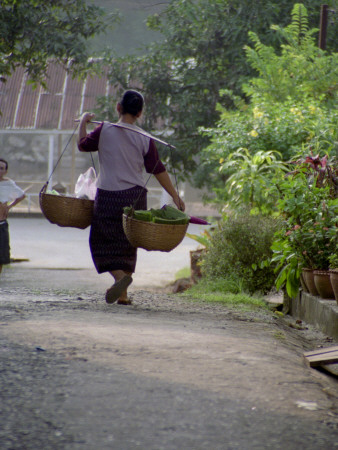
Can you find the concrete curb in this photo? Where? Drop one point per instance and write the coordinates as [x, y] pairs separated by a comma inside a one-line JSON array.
[[323, 314]]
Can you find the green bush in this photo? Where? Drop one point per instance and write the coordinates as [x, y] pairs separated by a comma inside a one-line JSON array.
[[238, 250], [292, 106], [291, 129]]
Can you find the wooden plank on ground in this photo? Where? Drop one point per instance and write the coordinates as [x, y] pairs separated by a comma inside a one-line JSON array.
[[322, 356], [331, 368]]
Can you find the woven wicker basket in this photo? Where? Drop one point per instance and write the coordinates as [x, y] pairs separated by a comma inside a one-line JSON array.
[[66, 211], [153, 236]]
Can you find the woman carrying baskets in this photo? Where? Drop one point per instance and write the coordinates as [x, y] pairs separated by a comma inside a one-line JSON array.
[[123, 154]]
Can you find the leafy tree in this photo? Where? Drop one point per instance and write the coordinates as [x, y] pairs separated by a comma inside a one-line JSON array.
[[31, 31], [292, 104], [300, 71], [202, 53]]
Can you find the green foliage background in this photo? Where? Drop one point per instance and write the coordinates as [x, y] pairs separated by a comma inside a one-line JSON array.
[[292, 108], [203, 43]]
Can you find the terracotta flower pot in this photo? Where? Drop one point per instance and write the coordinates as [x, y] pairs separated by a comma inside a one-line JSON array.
[[334, 282], [323, 284], [308, 278]]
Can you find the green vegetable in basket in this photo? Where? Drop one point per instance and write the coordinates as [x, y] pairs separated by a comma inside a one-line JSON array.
[[169, 214], [173, 213], [127, 210], [181, 221], [146, 216], [166, 215]]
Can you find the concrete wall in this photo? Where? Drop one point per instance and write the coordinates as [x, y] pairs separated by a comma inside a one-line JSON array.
[[323, 314], [28, 156]]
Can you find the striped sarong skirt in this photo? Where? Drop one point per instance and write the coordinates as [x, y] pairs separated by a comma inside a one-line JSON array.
[[4, 244], [109, 246]]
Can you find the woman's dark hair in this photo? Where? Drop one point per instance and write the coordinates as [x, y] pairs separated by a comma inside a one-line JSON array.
[[132, 103], [4, 161]]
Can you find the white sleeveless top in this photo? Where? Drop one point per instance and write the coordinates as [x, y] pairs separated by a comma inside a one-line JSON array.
[[121, 157], [9, 191]]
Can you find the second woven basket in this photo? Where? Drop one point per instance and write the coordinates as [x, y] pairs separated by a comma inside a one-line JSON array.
[[66, 211], [153, 236]]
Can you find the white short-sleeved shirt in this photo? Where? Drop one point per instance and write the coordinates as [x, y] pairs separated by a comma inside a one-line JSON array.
[[9, 191]]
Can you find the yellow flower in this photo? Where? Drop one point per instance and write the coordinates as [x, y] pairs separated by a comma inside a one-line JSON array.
[[312, 109], [297, 112], [221, 160], [253, 133], [257, 113]]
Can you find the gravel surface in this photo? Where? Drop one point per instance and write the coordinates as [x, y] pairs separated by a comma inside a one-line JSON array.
[[165, 373]]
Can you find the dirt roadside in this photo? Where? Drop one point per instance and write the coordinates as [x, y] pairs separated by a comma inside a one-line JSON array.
[[164, 373]]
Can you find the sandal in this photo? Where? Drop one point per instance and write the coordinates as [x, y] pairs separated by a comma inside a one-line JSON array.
[[126, 301], [118, 288]]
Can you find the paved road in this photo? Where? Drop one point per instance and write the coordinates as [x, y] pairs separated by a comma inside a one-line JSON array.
[[163, 374], [51, 247]]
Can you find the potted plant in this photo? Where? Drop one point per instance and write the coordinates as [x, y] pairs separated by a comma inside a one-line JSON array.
[[309, 206], [314, 241], [326, 242], [334, 273]]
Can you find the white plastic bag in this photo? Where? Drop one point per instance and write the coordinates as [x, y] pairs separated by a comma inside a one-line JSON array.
[[86, 185]]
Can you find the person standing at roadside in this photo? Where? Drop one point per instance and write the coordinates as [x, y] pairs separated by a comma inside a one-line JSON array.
[[10, 195], [123, 155]]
